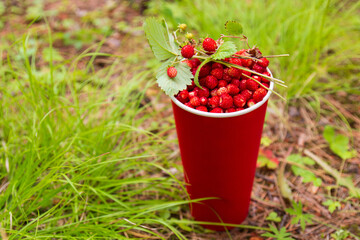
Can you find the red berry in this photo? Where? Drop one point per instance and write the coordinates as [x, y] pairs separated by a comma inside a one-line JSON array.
[[192, 86], [266, 84], [195, 101], [180, 99], [217, 65], [246, 62], [202, 108], [188, 63], [257, 78], [259, 94], [193, 71], [258, 68], [251, 85], [265, 80], [234, 72], [188, 104], [247, 94], [205, 70], [217, 72], [239, 101], [214, 92], [211, 82], [193, 94], [232, 89], [221, 91], [209, 45], [241, 52], [187, 51], [236, 82], [251, 102], [226, 101], [239, 109], [195, 62], [222, 83], [184, 96], [214, 101], [217, 110], [203, 92], [230, 110], [203, 101], [236, 61], [202, 81], [243, 73], [171, 72], [242, 85], [264, 62]]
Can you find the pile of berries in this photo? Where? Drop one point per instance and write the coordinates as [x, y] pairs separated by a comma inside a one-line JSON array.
[[224, 89]]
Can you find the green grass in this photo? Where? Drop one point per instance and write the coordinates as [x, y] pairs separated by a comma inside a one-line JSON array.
[[79, 164], [320, 36]]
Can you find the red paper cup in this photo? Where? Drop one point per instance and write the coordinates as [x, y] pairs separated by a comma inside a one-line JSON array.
[[219, 153]]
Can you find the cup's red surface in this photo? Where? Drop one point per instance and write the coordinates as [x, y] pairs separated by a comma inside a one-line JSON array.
[[219, 158]]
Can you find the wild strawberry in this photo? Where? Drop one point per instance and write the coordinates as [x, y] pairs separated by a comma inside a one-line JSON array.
[[236, 82], [247, 62], [217, 65], [214, 92], [187, 51], [230, 110], [234, 72], [263, 62], [171, 72], [202, 81], [202, 108], [239, 109], [203, 92], [188, 63], [242, 85], [193, 94], [251, 103], [180, 99], [259, 94], [192, 86], [195, 101], [193, 71], [188, 104], [214, 102], [227, 77], [222, 83], [226, 101], [203, 101], [221, 91], [195, 62], [251, 85], [232, 89], [239, 101], [247, 94], [211, 82], [184, 96], [217, 72], [258, 68], [209, 45], [205, 70], [257, 78], [267, 85], [236, 61], [217, 110], [264, 79]]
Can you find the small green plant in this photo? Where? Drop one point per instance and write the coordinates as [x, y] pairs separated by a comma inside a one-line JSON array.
[[299, 216], [332, 205], [276, 234], [307, 176], [340, 234], [273, 216], [338, 143]]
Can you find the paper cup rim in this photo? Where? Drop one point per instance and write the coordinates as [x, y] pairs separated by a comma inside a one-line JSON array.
[[226, 115]]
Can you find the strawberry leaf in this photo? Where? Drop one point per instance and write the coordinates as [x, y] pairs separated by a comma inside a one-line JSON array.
[[332, 206], [338, 143], [161, 42], [233, 28], [227, 49], [172, 86], [307, 176]]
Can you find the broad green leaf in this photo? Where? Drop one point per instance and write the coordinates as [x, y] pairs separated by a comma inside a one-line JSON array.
[[227, 49], [329, 133], [273, 217], [307, 176], [265, 141], [338, 143], [233, 28], [172, 86], [162, 45]]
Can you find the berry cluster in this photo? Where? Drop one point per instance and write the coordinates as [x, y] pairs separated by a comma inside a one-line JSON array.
[[224, 89]]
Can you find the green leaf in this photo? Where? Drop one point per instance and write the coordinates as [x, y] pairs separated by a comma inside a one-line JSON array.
[[340, 234], [233, 28], [227, 49], [161, 42], [264, 161], [273, 217], [307, 176], [172, 86], [299, 216], [332, 205], [276, 234], [265, 141], [338, 143]]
